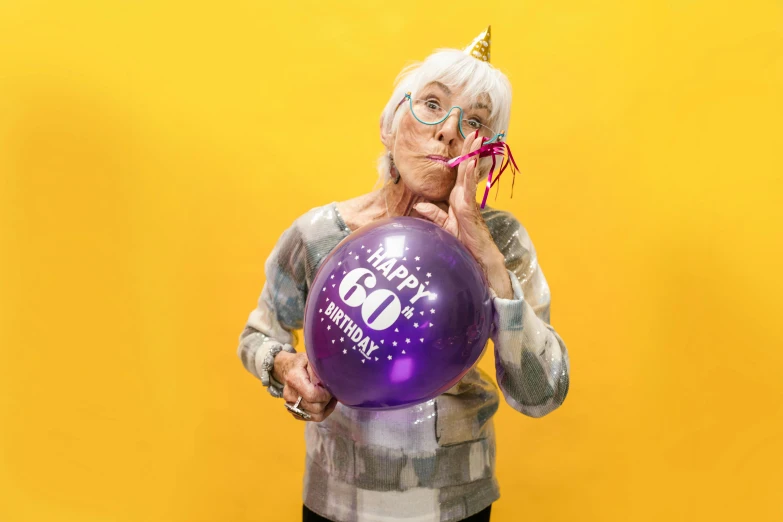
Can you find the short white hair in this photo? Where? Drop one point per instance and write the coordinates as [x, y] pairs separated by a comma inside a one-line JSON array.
[[455, 69]]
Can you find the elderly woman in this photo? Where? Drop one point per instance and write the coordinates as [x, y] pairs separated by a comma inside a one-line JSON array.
[[434, 461]]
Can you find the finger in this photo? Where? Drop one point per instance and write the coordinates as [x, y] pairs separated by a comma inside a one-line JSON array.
[[299, 379], [313, 376], [468, 186], [439, 216], [311, 394], [315, 407], [330, 407], [297, 417], [320, 417], [466, 148], [467, 143], [471, 183], [318, 405], [471, 144], [290, 394], [472, 165], [432, 212]]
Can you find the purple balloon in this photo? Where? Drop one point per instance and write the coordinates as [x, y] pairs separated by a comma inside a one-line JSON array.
[[398, 312]]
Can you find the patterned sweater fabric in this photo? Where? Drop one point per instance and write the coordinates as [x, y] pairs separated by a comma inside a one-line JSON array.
[[434, 461]]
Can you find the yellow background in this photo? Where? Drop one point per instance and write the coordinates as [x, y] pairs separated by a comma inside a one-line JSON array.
[[152, 152]]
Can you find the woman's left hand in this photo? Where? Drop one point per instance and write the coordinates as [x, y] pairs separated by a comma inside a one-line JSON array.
[[463, 219]]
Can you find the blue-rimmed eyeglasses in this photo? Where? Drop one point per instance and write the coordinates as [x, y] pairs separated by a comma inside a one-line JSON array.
[[429, 112]]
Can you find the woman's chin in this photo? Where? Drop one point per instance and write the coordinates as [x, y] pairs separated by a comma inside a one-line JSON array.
[[432, 194], [437, 186]]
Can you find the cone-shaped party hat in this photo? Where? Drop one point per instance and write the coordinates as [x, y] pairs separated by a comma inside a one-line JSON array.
[[479, 47]]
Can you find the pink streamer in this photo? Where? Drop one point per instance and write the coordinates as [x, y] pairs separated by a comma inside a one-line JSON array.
[[492, 149]]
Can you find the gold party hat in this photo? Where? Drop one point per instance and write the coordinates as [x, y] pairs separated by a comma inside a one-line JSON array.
[[479, 47]]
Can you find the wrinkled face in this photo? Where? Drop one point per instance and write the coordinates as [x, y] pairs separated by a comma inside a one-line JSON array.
[[421, 151]]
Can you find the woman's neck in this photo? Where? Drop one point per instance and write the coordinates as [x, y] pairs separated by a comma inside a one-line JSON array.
[[391, 200], [399, 200]]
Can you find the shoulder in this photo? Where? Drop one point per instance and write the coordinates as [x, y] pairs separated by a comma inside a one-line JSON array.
[[513, 241], [311, 237], [507, 231], [316, 223], [306, 229], [318, 216]]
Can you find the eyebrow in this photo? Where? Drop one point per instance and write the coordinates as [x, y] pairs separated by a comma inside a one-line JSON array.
[[442, 86], [476, 105]]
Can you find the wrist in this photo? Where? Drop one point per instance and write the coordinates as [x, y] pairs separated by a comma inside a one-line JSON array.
[[499, 281], [494, 266], [280, 367]]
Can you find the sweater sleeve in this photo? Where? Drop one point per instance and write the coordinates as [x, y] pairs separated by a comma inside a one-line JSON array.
[[531, 359], [280, 308]]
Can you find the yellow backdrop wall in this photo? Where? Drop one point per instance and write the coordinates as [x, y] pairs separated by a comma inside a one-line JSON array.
[[152, 152]]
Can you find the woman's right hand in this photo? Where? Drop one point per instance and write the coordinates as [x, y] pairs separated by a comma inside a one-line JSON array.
[[294, 371]]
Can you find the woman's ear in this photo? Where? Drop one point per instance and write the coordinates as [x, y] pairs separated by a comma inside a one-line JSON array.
[[386, 137]]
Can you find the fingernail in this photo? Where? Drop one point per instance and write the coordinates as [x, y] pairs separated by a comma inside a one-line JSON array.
[[476, 136]]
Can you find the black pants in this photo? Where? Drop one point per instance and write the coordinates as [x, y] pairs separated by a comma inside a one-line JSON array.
[[481, 516]]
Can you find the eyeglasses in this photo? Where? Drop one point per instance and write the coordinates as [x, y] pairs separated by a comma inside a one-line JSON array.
[[429, 112]]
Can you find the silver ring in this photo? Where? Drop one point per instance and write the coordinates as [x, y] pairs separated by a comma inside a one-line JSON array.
[[297, 411]]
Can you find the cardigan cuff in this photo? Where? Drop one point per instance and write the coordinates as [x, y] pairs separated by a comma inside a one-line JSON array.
[[509, 312]]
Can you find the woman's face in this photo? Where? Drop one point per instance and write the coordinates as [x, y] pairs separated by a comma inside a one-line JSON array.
[[421, 151]]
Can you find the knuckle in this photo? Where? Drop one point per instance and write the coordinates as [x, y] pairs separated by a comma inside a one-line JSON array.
[[310, 396], [295, 379]]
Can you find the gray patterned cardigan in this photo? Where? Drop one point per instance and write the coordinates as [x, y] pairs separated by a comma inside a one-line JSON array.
[[435, 461]]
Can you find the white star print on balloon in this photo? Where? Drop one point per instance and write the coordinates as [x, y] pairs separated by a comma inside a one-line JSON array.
[[397, 326]]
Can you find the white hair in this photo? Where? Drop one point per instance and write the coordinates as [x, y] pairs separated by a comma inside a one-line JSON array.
[[455, 69]]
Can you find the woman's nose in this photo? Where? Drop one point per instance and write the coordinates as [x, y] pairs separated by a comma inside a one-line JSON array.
[[448, 132]]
